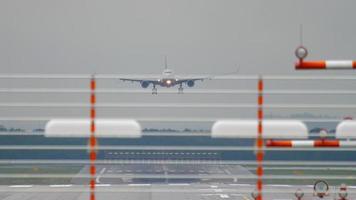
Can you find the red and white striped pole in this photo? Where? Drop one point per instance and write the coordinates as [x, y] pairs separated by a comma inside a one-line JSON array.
[[310, 143], [301, 53], [325, 64], [92, 139], [259, 141]]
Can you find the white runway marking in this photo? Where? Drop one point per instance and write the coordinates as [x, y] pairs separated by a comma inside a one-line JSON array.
[[239, 184], [97, 180], [179, 184], [102, 185], [139, 185], [280, 185], [224, 196], [21, 186], [60, 186]]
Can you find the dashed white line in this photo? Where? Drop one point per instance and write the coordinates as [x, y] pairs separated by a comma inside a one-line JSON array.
[[60, 186], [280, 185], [21, 186], [139, 185], [239, 184], [179, 184], [102, 185]]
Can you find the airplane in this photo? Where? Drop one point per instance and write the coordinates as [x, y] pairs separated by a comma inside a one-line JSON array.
[[168, 79]]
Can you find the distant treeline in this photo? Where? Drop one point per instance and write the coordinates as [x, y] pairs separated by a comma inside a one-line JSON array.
[[4, 129], [169, 130], [166, 130]]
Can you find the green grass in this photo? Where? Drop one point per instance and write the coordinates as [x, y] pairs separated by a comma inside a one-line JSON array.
[[37, 169]]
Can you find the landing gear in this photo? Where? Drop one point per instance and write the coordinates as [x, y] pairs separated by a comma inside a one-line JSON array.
[[154, 89], [180, 89]]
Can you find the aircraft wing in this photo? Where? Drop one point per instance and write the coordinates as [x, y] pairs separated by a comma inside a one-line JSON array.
[[189, 79], [140, 80]]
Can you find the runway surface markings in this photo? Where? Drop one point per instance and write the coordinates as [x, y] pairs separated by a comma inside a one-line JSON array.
[[222, 196], [97, 180], [103, 185], [279, 185], [21, 186], [60, 186], [239, 184], [139, 185], [179, 184]]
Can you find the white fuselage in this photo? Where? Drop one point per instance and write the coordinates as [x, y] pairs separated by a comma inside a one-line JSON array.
[[168, 78]]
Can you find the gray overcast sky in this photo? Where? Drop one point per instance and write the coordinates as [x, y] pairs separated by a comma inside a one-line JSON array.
[[199, 36], [131, 36]]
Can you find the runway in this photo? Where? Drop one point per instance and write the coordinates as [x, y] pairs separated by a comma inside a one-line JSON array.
[[166, 173], [160, 182], [172, 191]]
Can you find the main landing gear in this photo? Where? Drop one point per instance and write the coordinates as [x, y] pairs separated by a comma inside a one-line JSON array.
[[154, 89], [180, 89]]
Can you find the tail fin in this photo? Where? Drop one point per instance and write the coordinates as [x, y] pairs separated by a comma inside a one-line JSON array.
[[165, 62]]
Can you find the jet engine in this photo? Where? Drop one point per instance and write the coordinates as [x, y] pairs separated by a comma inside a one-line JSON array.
[[145, 84], [190, 83]]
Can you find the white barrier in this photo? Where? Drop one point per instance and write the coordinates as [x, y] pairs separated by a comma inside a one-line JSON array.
[[272, 129], [118, 128]]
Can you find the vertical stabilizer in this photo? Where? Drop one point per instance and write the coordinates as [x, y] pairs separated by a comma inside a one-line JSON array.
[[165, 62]]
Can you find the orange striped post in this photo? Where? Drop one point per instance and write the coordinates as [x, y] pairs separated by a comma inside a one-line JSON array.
[[92, 139], [321, 143], [301, 53], [259, 140], [325, 64]]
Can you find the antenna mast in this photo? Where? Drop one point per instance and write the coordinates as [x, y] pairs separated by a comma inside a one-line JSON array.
[[301, 34]]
